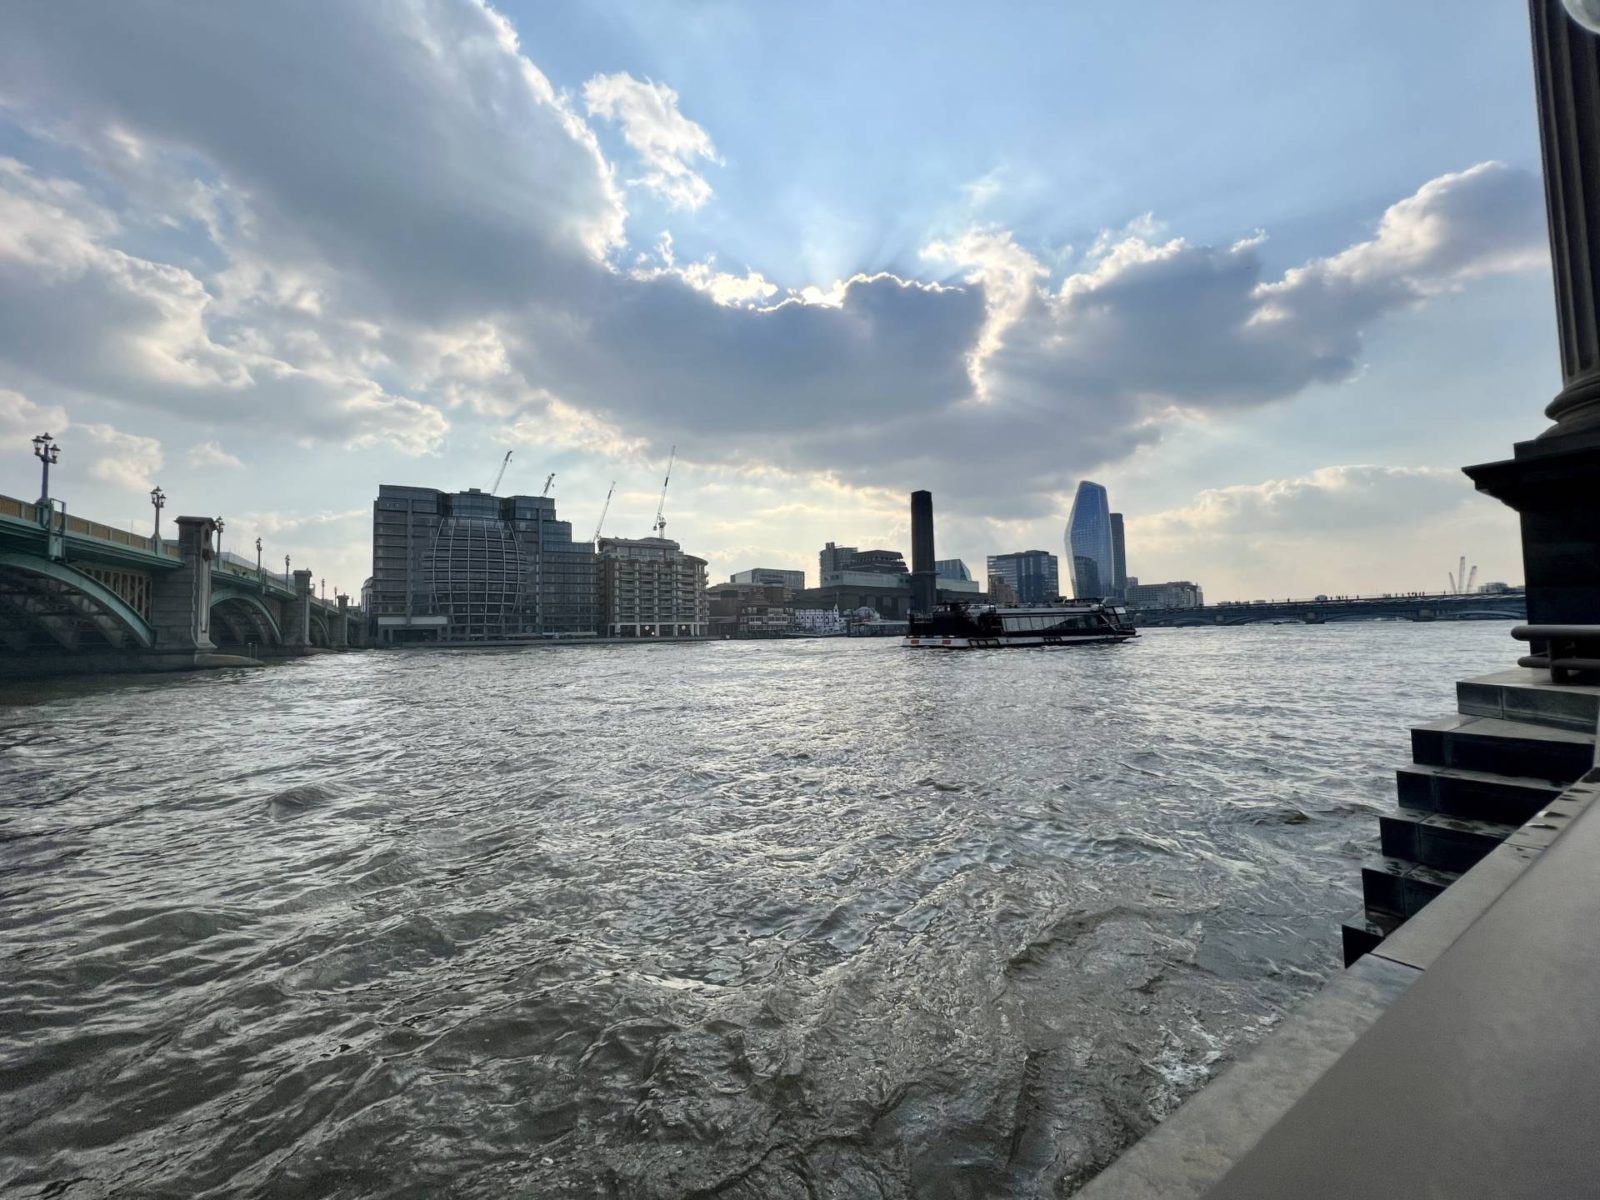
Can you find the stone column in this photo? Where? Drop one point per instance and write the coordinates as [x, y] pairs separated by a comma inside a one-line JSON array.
[[1553, 480], [297, 613], [180, 601], [339, 632]]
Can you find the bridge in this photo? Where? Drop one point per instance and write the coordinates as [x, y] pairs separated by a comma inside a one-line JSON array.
[[79, 596], [1445, 606]]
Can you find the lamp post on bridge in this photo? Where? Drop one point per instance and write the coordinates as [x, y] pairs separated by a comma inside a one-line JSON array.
[[258, 560], [219, 522], [285, 570], [158, 500], [324, 591], [46, 451]]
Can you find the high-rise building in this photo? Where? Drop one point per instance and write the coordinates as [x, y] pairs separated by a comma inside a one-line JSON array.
[[795, 581], [1001, 592], [1034, 575], [471, 567], [650, 588], [1088, 539], [834, 558], [1119, 559], [952, 568]]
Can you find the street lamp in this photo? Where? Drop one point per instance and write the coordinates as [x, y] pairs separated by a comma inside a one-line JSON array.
[[219, 539], [158, 500], [47, 452], [285, 570], [324, 591], [1585, 13], [258, 558]]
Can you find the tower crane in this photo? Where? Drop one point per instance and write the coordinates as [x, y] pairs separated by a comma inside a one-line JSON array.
[[601, 524], [548, 481], [660, 527], [500, 474]]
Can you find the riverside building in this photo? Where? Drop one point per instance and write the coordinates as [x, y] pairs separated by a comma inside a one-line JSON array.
[[794, 581], [1034, 576], [649, 588], [1090, 556], [471, 567]]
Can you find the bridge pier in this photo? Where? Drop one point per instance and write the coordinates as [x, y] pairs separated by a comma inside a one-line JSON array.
[[180, 601], [339, 629], [297, 614]]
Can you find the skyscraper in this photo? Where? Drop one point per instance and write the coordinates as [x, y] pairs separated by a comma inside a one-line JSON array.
[[1119, 559], [1034, 575], [1089, 553]]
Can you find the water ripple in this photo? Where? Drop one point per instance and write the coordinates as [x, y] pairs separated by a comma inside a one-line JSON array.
[[745, 919]]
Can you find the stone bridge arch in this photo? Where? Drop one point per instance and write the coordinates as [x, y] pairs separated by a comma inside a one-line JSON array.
[[53, 605], [246, 617]]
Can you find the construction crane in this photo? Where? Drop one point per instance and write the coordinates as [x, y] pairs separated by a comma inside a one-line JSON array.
[[500, 474], [601, 524], [660, 527], [548, 481], [1472, 578]]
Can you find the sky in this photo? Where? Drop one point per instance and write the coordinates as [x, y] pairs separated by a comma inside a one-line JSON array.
[[1271, 272]]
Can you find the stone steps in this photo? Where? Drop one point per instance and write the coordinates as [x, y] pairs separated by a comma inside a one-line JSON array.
[[1477, 778], [1444, 843], [1474, 795], [1501, 747]]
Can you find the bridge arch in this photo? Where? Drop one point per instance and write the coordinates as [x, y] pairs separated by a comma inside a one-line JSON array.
[[319, 630], [236, 606], [39, 595]]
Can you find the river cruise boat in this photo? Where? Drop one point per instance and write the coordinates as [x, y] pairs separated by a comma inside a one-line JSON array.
[[966, 626]]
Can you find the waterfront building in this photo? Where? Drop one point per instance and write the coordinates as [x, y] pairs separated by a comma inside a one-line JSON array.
[[1119, 559], [650, 588], [1001, 592], [471, 567], [817, 622], [952, 569], [795, 581], [1088, 541], [833, 558], [1034, 575], [747, 610], [1178, 594]]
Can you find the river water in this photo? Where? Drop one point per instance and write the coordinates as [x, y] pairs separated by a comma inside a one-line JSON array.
[[762, 919]]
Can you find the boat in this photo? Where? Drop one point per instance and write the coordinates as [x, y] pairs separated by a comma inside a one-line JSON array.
[[964, 625]]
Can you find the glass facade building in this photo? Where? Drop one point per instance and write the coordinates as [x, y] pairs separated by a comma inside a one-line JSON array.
[[471, 567], [1088, 543], [1034, 575]]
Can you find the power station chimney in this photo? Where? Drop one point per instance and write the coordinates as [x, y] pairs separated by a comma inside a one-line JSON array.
[[924, 576]]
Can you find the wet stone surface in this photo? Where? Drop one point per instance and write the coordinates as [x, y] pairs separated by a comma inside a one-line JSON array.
[[769, 919]]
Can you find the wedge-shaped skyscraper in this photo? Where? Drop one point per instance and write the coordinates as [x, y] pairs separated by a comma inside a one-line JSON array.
[[1089, 551]]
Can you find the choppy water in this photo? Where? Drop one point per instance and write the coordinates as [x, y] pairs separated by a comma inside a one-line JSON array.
[[754, 919]]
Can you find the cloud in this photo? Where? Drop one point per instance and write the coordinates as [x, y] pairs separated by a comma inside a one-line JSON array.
[[664, 139], [127, 460], [21, 420], [210, 454], [1348, 528], [352, 258]]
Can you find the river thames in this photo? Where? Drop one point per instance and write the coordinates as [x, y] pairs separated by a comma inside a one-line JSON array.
[[765, 919]]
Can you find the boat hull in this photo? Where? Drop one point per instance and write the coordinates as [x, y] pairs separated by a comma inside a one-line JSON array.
[[1018, 640]]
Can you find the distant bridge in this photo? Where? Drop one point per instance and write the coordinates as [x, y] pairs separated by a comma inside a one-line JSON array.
[[1478, 606], [76, 595]]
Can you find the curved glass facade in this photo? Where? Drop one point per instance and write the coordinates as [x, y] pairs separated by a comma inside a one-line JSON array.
[[1088, 543]]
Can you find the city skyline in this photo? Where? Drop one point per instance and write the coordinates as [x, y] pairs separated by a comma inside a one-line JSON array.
[[1254, 361]]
